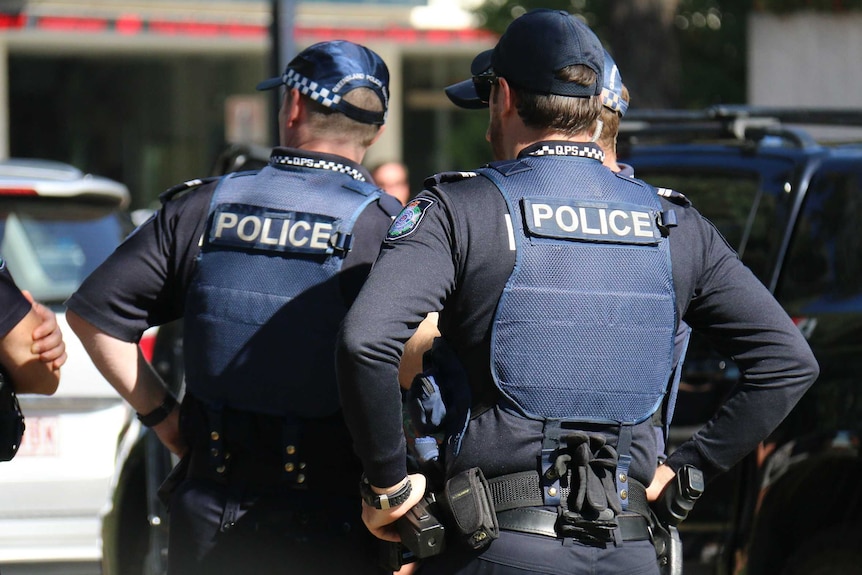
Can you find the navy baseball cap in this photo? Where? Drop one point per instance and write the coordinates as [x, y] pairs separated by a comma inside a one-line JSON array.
[[326, 71], [612, 89], [529, 54]]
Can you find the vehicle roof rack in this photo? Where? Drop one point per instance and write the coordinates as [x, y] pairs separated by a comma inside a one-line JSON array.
[[743, 123]]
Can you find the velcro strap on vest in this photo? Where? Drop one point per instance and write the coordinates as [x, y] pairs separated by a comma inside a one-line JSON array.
[[523, 489]]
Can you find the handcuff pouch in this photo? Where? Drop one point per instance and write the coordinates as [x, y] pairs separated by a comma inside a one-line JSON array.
[[467, 498]]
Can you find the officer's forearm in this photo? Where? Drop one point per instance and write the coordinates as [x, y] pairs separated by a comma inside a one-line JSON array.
[[122, 365]]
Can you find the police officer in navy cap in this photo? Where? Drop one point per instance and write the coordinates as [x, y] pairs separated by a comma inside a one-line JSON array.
[[560, 286], [262, 267]]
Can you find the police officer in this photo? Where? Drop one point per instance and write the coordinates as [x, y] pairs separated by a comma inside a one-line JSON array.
[[262, 267], [32, 349], [559, 286]]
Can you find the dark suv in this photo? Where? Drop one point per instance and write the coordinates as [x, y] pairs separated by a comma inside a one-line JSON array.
[[792, 208]]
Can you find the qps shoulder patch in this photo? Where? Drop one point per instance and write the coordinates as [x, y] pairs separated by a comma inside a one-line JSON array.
[[408, 220], [246, 227]]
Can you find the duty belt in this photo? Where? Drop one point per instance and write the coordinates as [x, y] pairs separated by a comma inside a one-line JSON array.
[[633, 527], [518, 502]]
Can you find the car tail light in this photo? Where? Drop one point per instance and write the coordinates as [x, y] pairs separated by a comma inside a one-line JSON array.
[[148, 343], [17, 192]]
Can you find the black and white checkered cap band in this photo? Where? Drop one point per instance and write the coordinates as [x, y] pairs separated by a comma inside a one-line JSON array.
[[570, 150], [310, 88], [612, 101], [318, 165]]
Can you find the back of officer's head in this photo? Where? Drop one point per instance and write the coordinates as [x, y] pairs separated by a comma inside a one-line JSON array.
[[554, 64], [345, 87]]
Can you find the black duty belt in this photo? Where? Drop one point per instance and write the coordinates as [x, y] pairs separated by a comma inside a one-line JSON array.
[[633, 527], [518, 502], [517, 490]]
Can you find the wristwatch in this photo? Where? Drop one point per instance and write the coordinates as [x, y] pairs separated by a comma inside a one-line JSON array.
[[384, 501], [160, 413]]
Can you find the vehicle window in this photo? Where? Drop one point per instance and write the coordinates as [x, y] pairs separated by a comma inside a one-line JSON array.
[[52, 245], [736, 203], [823, 270], [821, 288]]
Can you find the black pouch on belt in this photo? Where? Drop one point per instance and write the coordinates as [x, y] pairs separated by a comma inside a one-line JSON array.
[[468, 500]]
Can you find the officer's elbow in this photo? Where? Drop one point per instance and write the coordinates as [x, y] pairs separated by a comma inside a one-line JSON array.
[[79, 326]]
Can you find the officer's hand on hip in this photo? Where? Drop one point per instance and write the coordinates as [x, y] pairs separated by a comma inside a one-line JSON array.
[[663, 476], [381, 522], [168, 431]]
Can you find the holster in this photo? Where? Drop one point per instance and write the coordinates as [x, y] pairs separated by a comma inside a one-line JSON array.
[[668, 548], [11, 420], [468, 501]]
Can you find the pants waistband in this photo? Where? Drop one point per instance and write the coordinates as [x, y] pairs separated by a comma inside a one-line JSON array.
[[536, 521], [243, 469]]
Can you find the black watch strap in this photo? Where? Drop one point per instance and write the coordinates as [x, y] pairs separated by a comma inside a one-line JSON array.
[[384, 501], [160, 413]]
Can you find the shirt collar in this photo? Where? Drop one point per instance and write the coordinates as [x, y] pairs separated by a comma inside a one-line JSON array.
[[318, 161], [564, 148]]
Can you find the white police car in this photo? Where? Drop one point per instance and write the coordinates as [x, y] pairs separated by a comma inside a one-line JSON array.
[[56, 225]]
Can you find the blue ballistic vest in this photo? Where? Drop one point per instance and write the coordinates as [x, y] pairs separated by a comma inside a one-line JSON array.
[[584, 330], [265, 304]]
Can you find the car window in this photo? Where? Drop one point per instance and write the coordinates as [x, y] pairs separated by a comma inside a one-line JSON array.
[[821, 288], [740, 205], [823, 271], [51, 244]]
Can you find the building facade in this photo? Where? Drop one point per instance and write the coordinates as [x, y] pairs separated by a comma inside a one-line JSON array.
[[149, 92]]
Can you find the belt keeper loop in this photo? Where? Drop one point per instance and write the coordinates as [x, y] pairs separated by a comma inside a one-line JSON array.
[[550, 487]]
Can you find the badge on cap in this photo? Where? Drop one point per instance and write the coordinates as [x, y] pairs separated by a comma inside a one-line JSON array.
[[408, 220]]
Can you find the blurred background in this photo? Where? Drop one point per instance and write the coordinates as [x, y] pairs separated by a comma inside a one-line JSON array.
[[150, 92]]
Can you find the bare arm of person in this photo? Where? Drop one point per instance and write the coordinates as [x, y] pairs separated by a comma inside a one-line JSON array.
[[126, 369], [48, 341], [20, 353], [415, 348]]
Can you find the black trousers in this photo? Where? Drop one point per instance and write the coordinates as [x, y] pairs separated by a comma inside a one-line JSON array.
[[219, 529], [524, 554]]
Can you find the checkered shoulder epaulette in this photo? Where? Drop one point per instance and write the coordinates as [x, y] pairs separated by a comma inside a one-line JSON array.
[[673, 196], [174, 191]]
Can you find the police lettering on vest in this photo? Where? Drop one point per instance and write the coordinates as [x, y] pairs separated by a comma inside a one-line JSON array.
[[590, 221], [255, 228]]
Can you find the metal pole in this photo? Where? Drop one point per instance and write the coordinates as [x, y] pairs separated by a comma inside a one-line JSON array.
[[283, 16]]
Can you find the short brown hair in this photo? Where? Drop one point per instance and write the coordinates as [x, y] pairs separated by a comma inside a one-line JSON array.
[[327, 121], [566, 114]]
